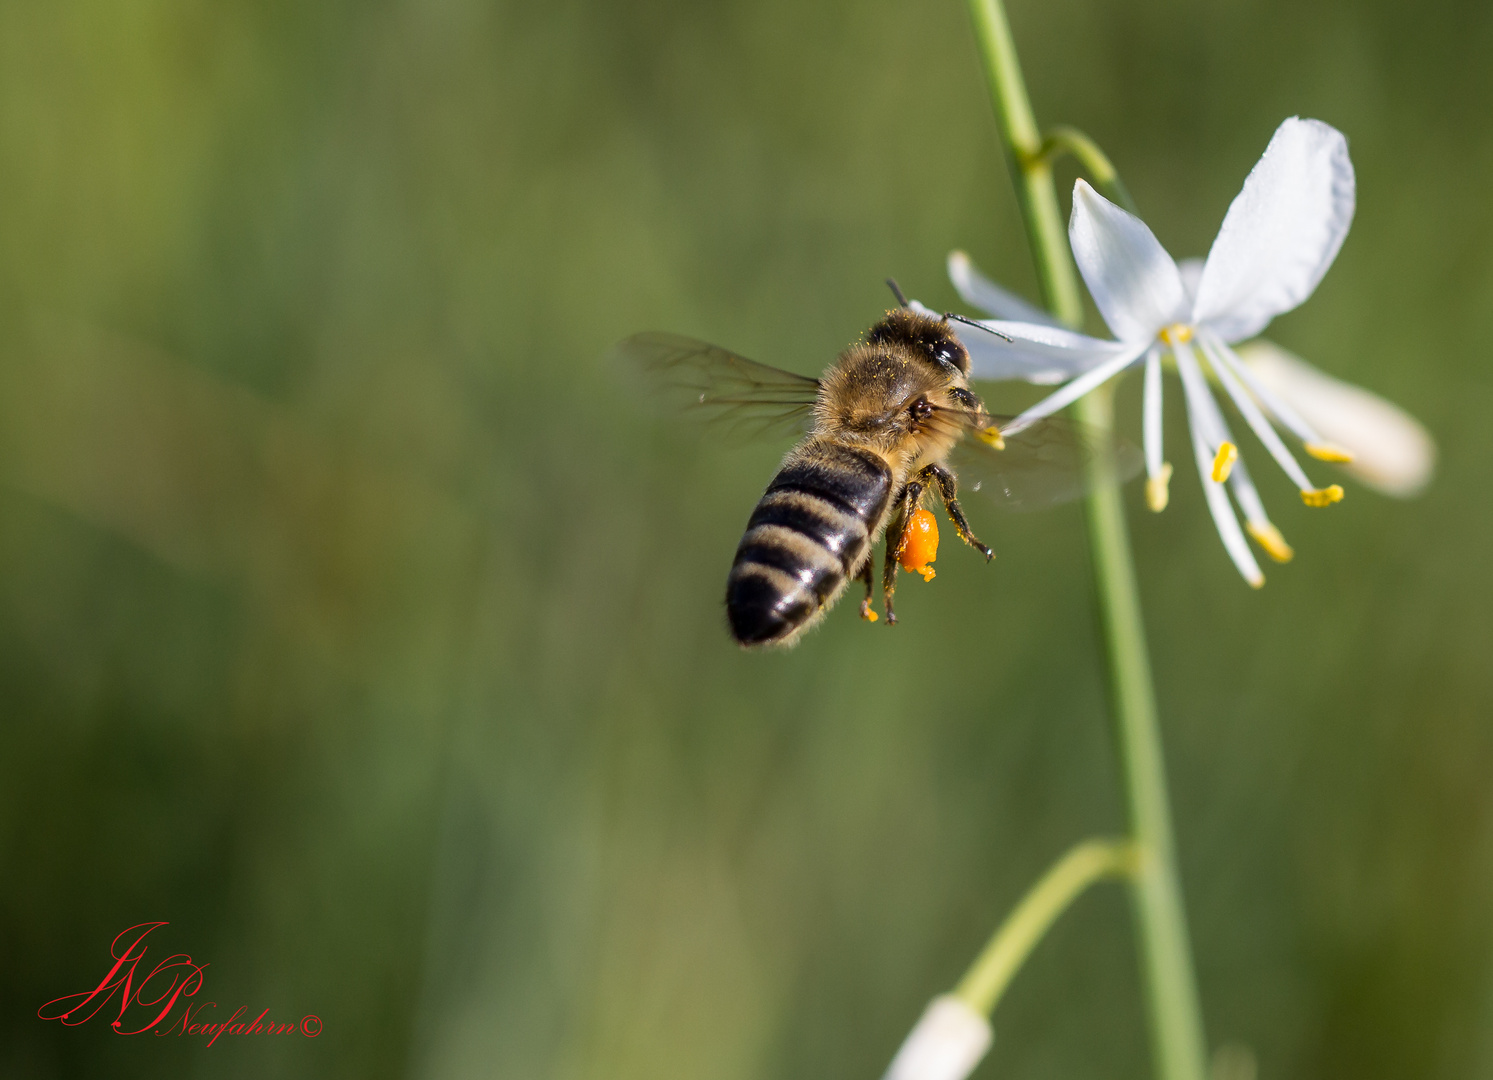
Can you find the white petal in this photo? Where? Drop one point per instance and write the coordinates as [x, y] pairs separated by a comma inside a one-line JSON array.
[[1191, 271], [1281, 233], [1132, 279], [1035, 353], [1392, 451], [1076, 389], [947, 1043], [976, 290]]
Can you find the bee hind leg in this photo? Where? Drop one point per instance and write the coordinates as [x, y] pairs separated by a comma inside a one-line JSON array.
[[948, 489], [896, 536], [889, 573], [863, 575]]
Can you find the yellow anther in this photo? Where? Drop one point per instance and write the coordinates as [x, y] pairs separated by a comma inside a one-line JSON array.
[[1223, 464], [1158, 490], [1176, 334], [1269, 538], [1323, 496], [1328, 452], [992, 437]]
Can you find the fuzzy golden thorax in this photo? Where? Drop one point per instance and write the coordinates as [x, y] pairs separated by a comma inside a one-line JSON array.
[[899, 392]]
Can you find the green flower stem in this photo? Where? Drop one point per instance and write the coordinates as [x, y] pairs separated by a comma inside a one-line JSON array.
[[1171, 991], [1161, 920], [995, 967], [1056, 275]]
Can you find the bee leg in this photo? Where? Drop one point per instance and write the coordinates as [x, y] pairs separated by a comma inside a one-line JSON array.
[[889, 577], [863, 575], [948, 488], [896, 536]]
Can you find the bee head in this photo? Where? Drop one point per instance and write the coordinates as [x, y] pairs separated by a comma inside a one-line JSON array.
[[925, 336]]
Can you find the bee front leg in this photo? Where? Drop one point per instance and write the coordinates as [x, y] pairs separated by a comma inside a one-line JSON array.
[[948, 488], [896, 536]]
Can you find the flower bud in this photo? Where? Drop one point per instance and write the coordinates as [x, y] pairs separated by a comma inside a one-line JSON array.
[[947, 1043]]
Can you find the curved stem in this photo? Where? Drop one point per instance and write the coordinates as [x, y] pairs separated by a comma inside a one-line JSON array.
[[1166, 962], [1069, 140], [1088, 862]]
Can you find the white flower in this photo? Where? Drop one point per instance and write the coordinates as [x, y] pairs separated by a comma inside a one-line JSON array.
[[1279, 237], [1392, 452], [948, 1042]]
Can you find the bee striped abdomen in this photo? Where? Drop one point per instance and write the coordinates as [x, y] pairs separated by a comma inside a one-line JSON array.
[[809, 532]]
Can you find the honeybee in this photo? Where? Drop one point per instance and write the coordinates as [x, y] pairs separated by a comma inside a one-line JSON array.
[[882, 422]]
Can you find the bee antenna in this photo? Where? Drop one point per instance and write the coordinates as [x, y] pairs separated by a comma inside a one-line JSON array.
[[977, 325], [896, 291]]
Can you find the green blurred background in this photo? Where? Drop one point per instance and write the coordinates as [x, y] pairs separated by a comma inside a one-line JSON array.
[[355, 620]]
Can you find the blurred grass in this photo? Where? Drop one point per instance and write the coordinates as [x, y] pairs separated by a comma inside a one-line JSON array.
[[354, 621]]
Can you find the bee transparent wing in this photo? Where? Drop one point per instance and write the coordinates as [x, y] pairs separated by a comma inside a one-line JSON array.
[[1040, 466], [733, 395]]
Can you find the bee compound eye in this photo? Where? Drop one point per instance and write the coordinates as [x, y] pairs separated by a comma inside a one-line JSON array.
[[951, 353], [944, 350]]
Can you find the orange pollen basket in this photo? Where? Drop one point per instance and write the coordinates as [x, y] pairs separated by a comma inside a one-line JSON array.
[[920, 544]]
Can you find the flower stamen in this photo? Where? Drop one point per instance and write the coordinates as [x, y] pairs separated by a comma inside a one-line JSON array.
[[1158, 490], [1217, 354], [1322, 496], [1329, 452], [1208, 430], [1223, 463], [1176, 334], [1269, 538]]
